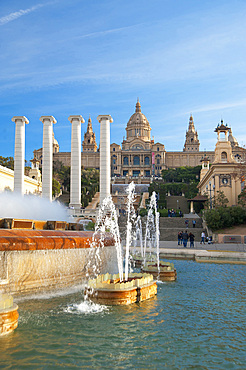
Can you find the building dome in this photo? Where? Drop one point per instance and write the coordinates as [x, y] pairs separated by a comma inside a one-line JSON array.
[[232, 139], [138, 125]]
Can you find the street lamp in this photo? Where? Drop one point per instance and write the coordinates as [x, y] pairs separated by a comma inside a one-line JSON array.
[[210, 189]]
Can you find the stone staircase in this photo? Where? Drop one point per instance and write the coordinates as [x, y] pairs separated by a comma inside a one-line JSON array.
[[169, 227], [94, 202], [174, 202]]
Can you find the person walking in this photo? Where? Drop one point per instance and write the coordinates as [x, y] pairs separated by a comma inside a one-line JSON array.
[[202, 237], [192, 238], [194, 223], [185, 239], [186, 223], [180, 238]]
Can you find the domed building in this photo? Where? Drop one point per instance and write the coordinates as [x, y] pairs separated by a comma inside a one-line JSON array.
[[138, 156]]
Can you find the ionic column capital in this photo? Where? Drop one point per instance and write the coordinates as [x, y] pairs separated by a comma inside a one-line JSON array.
[[76, 118], [105, 117], [51, 119], [20, 118]]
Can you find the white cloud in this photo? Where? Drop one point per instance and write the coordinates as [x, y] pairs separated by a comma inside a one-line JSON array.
[[219, 106], [12, 16]]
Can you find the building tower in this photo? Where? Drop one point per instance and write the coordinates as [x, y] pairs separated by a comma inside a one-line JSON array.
[[223, 148], [89, 143], [191, 142], [34, 172]]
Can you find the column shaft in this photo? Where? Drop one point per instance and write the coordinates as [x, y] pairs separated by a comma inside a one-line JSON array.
[[47, 156], [19, 162], [75, 181], [104, 156]]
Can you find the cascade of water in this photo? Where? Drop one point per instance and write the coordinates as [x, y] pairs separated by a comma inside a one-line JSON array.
[[149, 231], [131, 216], [139, 234], [107, 221], [152, 234]]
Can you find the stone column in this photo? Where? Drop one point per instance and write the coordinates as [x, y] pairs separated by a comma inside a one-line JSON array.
[[75, 180], [19, 163], [104, 155], [47, 156], [191, 207]]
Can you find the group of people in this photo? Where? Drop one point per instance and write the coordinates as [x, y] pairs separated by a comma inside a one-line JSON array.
[[173, 213], [184, 237]]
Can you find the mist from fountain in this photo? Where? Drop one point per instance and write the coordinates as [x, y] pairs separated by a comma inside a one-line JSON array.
[[33, 207]]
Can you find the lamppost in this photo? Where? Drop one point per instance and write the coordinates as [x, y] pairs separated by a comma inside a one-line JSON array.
[[210, 189]]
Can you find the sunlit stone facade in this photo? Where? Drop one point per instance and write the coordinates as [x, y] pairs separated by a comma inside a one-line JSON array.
[[139, 156]]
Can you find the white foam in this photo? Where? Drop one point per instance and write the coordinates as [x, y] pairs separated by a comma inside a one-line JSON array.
[[86, 308]]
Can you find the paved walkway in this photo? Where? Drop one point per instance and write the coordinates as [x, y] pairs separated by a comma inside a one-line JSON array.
[[232, 247]]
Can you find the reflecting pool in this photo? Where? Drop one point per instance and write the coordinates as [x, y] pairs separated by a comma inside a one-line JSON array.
[[197, 322]]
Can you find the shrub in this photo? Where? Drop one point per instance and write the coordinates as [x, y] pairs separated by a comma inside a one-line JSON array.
[[221, 217], [143, 212], [90, 226], [163, 212]]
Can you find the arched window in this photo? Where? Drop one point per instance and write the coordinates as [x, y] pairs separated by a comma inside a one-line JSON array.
[[125, 161], [224, 157], [158, 159], [136, 160], [146, 161]]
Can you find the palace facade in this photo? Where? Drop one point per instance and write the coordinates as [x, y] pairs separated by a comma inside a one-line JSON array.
[[138, 155]]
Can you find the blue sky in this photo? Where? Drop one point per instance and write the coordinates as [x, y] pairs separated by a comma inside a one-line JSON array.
[[92, 57]]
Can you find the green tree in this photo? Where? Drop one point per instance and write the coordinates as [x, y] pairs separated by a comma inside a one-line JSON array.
[[242, 198], [56, 187], [220, 200], [7, 162]]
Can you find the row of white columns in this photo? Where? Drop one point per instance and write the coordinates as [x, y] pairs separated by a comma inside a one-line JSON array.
[[47, 156]]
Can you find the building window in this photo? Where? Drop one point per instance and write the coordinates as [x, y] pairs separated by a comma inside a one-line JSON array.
[[113, 149], [136, 160], [147, 173], [125, 161], [224, 157], [135, 173], [146, 161], [158, 149], [125, 172], [114, 159]]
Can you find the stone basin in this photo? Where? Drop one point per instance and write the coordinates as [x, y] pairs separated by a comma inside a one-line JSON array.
[[107, 289], [8, 314], [166, 272], [31, 260]]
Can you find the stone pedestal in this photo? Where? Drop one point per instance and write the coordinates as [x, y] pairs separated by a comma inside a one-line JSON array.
[[19, 163], [75, 181], [47, 159], [104, 121]]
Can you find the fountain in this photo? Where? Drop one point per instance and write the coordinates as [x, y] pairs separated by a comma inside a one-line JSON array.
[[151, 263], [122, 288]]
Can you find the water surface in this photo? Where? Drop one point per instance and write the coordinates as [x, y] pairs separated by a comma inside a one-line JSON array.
[[197, 322]]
